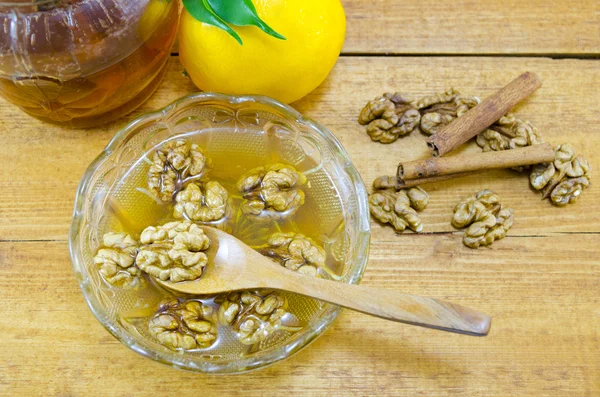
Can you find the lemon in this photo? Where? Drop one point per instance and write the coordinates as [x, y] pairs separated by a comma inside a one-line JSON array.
[[286, 70]]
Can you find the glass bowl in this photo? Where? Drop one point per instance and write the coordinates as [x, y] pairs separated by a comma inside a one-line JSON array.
[[298, 139]]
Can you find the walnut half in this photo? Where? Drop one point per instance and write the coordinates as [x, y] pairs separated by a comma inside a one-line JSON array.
[[116, 259], [172, 164], [389, 116], [173, 251], [184, 325], [486, 219], [272, 191], [295, 252], [564, 179], [254, 315], [399, 209], [207, 202]]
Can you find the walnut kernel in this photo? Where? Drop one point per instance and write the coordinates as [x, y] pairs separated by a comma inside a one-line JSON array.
[[184, 325], [116, 259], [486, 218], [254, 315], [172, 164], [399, 208], [272, 190], [207, 202], [295, 252], [173, 251]]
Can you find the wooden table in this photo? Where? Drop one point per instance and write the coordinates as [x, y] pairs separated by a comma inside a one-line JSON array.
[[541, 284]]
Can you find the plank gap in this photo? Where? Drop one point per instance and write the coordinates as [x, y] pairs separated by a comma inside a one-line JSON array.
[[583, 56], [35, 241]]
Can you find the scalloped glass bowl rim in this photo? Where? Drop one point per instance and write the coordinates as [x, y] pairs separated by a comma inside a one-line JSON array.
[[272, 356]]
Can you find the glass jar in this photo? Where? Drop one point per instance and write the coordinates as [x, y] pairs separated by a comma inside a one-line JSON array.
[[82, 63]]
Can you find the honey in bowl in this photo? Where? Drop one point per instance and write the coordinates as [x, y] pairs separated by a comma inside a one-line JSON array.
[[237, 134], [293, 214]]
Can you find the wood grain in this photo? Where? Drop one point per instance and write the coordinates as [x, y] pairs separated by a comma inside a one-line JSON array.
[[543, 293], [542, 27], [43, 164]]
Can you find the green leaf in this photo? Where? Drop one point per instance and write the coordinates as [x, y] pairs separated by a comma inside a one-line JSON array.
[[202, 11], [241, 13]]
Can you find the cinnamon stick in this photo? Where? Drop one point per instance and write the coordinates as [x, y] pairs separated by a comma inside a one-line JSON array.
[[433, 167], [392, 182], [483, 115]]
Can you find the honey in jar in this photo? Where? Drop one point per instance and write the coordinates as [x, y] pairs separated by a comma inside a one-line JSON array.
[[82, 63]]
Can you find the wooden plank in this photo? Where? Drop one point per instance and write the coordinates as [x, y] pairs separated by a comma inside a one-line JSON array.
[[42, 164], [473, 27], [543, 294], [534, 27]]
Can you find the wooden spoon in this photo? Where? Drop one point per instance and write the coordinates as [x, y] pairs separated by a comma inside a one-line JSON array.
[[232, 265]]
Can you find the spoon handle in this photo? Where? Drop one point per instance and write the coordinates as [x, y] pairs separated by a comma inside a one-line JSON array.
[[389, 304]]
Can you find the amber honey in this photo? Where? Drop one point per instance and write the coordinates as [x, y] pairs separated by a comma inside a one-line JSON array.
[[85, 63], [132, 208]]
